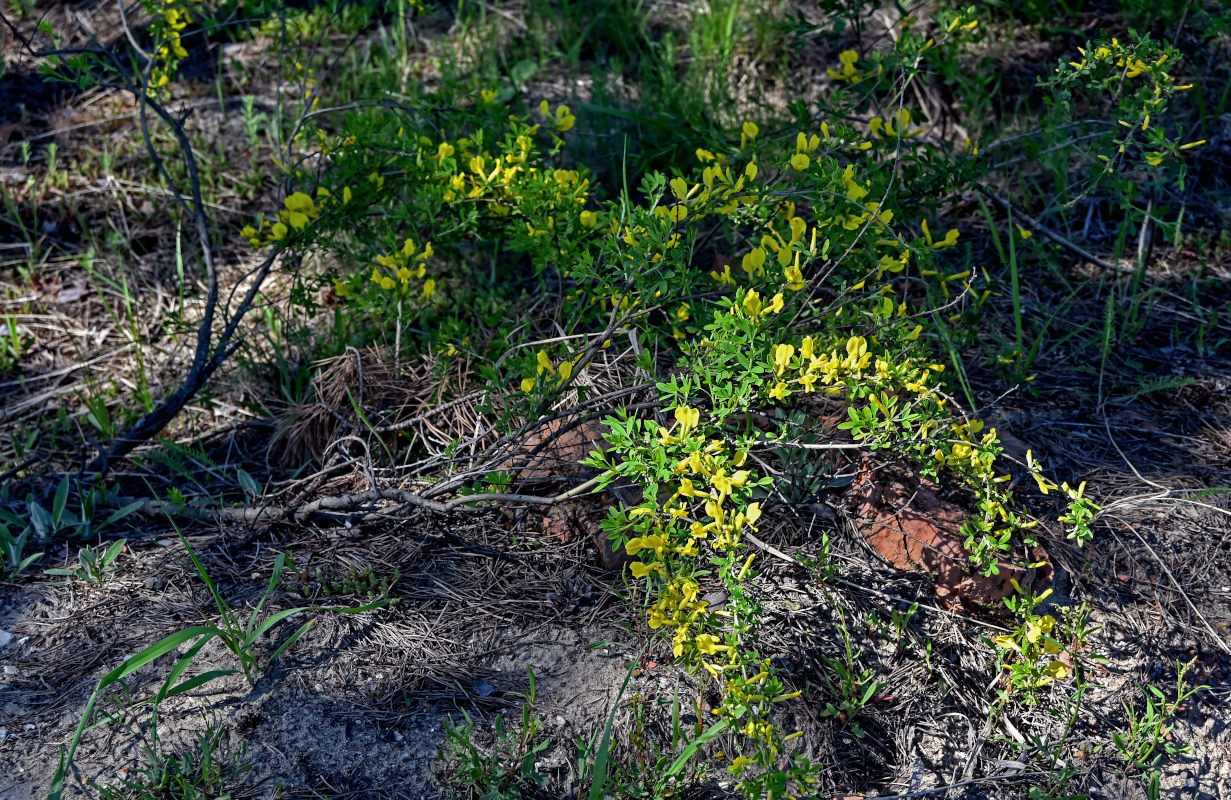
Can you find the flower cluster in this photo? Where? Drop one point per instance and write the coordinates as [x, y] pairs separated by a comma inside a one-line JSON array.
[[1137, 76], [401, 266], [299, 209], [1081, 509], [849, 69], [561, 119], [894, 126], [704, 518], [808, 366], [172, 18], [562, 372], [1030, 656]]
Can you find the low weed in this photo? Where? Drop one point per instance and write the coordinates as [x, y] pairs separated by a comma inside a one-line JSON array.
[[210, 770], [97, 565], [1148, 742], [61, 522], [851, 686], [240, 634], [12, 343], [14, 560], [508, 768]]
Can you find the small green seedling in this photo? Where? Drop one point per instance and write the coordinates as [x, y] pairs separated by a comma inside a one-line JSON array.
[[97, 565]]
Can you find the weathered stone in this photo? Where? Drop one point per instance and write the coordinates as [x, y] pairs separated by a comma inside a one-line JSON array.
[[911, 527]]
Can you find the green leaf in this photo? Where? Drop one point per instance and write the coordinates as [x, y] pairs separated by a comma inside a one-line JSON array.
[[690, 750], [113, 551], [61, 500], [121, 513], [131, 665]]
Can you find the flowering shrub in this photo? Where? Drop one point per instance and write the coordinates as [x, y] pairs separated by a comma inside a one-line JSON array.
[[777, 274]]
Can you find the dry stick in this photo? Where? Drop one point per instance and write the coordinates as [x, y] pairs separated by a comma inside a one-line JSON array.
[[1218, 640], [208, 355], [319, 509], [495, 453], [397, 426], [1048, 233], [203, 365]]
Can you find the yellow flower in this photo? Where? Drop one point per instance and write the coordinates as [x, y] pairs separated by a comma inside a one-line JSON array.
[[1006, 643], [739, 763], [795, 278], [588, 219], [848, 59], [429, 288], [652, 542], [692, 464], [710, 644], [752, 262], [724, 483], [563, 119], [799, 161], [688, 418], [779, 392], [856, 347], [544, 363], [687, 489], [724, 276], [750, 129], [782, 355], [806, 350], [527, 384], [752, 304], [300, 202], [641, 569]]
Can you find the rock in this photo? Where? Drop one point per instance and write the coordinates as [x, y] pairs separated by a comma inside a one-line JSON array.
[[911, 527], [554, 451], [5, 638], [552, 454]]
